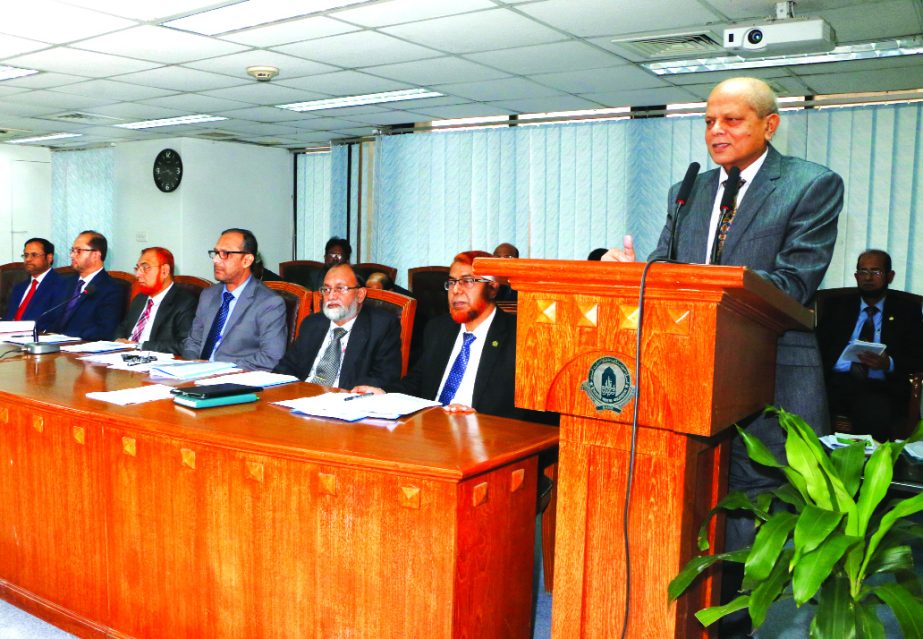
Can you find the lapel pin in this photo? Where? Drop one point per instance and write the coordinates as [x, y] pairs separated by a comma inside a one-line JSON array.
[[495, 343]]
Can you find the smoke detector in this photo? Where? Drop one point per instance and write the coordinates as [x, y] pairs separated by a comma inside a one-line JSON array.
[[262, 73]]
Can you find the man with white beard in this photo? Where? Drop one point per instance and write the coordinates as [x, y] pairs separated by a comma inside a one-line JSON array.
[[347, 344]]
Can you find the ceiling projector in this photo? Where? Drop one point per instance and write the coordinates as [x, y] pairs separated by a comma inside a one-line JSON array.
[[780, 37]]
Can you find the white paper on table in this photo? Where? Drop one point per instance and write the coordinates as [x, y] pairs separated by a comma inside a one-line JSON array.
[[191, 370], [140, 395], [12, 328], [262, 379], [915, 450], [50, 338], [341, 406], [97, 347]]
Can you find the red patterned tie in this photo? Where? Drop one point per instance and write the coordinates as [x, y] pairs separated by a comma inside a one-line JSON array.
[[142, 321], [26, 300]]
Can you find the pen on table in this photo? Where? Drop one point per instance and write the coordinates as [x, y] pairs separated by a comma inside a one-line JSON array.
[[358, 396]]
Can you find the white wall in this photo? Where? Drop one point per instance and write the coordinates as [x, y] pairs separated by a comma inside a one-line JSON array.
[[224, 184], [25, 198]]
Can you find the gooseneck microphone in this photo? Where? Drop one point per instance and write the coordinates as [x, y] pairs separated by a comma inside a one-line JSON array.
[[731, 186], [684, 189], [38, 348]]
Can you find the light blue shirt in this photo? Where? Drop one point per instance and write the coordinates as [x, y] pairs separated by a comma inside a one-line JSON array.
[[842, 365]]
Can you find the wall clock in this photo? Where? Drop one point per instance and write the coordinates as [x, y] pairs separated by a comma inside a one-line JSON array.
[[168, 170]]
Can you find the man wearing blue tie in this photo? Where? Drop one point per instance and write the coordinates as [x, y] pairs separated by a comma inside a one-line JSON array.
[[97, 301]]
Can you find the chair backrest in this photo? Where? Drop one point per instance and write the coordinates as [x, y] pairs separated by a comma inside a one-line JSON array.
[[427, 283], [304, 272], [403, 308], [824, 297], [509, 307], [367, 268], [128, 282], [191, 284], [10, 275], [65, 270], [298, 304]]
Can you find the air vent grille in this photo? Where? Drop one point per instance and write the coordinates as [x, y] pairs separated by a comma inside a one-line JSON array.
[[81, 117], [673, 45]]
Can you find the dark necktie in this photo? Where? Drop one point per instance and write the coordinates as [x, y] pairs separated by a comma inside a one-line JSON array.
[[72, 304], [329, 365], [142, 321], [453, 381], [26, 300], [724, 225], [866, 334], [217, 326]]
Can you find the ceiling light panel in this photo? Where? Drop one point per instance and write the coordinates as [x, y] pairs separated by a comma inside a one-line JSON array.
[[185, 119], [358, 100], [251, 13], [44, 138], [9, 73]]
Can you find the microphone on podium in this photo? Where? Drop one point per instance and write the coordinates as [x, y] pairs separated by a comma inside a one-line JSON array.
[[682, 195], [731, 186], [38, 348]]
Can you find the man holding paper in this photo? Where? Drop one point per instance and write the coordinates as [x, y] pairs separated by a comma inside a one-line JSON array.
[[871, 386]]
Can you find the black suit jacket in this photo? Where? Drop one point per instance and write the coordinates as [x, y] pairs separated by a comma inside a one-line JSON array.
[[373, 352], [96, 316], [53, 290], [901, 331], [495, 383], [171, 324]]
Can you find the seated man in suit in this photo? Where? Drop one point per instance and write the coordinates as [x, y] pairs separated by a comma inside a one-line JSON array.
[[336, 251], [383, 282], [238, 319], [468, 361], [505, 293], [348, 344], [43, 291], [875, 391], [160, 317], [97, 302]]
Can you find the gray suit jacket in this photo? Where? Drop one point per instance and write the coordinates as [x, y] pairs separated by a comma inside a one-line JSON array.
[[254, 336], [784, 229]]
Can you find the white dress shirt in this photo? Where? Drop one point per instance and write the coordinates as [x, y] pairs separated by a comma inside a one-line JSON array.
[[465, 393]]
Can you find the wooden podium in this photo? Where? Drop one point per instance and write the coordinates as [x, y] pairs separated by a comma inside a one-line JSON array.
[[708, 353]]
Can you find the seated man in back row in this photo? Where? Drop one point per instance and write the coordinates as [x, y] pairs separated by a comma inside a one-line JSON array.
[[37, 297], [96, 301], [348, 343], [238, 319]]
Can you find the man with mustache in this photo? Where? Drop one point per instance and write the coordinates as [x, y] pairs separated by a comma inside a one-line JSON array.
[[348, 343], [160, 317]]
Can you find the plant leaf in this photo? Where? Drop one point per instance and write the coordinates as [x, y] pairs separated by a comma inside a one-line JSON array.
[[815, 567], [802, 459], [787, 493], [734, 500], [769, 589], [892, 559], [848, 462], [900, 509], [708, 616], [868, 624], [917, 434], [758, 451], [697, 565], [769, 541], [907, 608], [878, 474], [835, 618], [814, 525]]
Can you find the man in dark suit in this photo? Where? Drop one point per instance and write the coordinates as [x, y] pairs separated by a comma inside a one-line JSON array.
[[348, 343], [43, 291], [160, 317], [238, 319], [875, 391], [784, 228], [98, 302]]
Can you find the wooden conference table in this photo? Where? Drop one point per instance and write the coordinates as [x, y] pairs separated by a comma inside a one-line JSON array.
[[245, 521]]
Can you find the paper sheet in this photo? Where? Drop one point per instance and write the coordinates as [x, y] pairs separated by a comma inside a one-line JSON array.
[[140, 395], [250, 378]]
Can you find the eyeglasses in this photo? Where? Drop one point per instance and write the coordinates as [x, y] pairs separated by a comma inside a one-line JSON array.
[[334, 256], [26, 256], [873, 272], [223, 254], [465, 282], [75, 250], [342, 290], [144, 268]]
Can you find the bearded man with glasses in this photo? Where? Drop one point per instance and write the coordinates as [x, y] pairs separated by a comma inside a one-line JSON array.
[[873, 392], [238, 319], [346, 344]]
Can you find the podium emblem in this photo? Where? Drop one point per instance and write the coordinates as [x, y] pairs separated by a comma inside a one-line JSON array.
[[608, 384]]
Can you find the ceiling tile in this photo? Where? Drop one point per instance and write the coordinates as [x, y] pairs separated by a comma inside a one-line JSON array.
[[356, 131], [471, 110], [493, 90], [908, 62], [145, 11], [389, 118], [545, 58], [437, 70], [9, 90], [264, 93], [343, 83], [545, 105], [160, 44], [864, 21], [136, 112], [358, 49], [182, 79], [113, 91], [291, 31], [196, 103], [382, 14], [11, 45], [236, 65], [78, 62], [43, 80], [588, 18], [323, 124], [256, 128], [263, 114], [55, 99], [623, 78], [880, 80], [643, 97], [480, 31], [56, 23]]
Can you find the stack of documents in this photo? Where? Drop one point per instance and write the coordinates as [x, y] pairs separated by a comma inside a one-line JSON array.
[[97, 347], [352, 407], [12, 329], [191, 370], [260, 379]]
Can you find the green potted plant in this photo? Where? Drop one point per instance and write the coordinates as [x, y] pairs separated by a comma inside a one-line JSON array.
[[821, 536]]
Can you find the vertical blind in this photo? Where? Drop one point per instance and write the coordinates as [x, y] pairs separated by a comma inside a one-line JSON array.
[[82, 198]]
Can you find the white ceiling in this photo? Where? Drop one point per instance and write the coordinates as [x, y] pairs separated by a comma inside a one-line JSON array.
[[110, 58]]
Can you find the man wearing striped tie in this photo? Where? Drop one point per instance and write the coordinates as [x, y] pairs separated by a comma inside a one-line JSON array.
[[160, 317], [44, 289]]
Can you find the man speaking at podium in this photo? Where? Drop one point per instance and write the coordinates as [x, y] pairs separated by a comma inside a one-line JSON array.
[[782, 226]]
